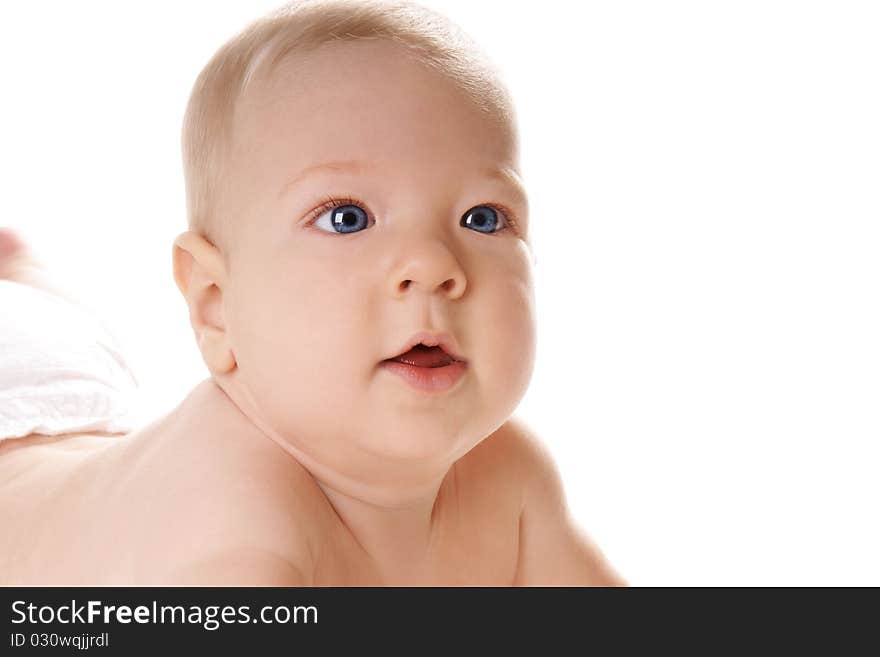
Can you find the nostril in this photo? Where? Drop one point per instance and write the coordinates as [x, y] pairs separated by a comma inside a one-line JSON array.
[[448, 285]]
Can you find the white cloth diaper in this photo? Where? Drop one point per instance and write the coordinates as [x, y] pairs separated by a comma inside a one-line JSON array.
[[61, 370]]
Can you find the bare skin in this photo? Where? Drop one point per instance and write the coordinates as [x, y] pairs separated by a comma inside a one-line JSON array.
[[148, 508], [346, 476]]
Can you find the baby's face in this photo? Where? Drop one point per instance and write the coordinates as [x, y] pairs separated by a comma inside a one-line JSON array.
[[313, 306]]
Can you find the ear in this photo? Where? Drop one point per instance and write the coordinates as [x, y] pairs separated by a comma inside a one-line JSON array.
[[200, 275]]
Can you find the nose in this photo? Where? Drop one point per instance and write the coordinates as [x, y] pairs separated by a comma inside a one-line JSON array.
[[431, 267]]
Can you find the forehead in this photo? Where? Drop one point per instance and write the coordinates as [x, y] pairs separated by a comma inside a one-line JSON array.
[[367, 101]]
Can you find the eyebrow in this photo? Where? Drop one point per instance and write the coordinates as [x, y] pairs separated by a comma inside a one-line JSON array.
[[341, 166], [505, 175]]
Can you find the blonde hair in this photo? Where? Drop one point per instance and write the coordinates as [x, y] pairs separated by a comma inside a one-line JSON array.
[[297, 28]]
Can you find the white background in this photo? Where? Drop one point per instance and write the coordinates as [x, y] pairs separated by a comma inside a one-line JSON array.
[[704, 188]]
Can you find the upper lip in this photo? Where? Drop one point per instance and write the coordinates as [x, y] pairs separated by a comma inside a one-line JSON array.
[[443, 339]]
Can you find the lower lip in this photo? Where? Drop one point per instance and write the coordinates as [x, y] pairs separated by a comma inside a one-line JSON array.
[[427, 379]]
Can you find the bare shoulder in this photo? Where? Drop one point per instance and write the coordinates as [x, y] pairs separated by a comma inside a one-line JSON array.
[[234, 518], [237, 565], [517, 454], [222, 538], [499, 464], [554, 550]]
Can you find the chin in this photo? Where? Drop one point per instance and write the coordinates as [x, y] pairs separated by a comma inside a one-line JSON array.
[[422, 440]]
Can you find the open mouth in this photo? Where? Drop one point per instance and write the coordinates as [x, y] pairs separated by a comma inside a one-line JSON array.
[[426, 369], [424, 356]]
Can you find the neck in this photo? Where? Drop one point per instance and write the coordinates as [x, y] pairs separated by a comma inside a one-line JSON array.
[[395, 532], [391, 515], [390, 510]]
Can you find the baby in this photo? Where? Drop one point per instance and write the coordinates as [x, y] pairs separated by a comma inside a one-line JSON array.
[[358, 278]]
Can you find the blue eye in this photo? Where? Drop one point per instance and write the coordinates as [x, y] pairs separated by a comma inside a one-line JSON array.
[[344, 218], [483, 218]]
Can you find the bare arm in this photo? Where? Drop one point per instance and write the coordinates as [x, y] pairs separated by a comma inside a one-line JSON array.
[[553, 551], [238, 567]]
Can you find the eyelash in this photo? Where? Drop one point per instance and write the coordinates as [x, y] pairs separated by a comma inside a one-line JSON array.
[[333, 202]]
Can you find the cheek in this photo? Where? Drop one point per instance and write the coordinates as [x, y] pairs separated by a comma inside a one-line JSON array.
[[508, 339], [306, 298], [296, 340]]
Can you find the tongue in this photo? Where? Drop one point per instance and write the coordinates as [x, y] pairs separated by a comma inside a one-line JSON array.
[[422, 356]]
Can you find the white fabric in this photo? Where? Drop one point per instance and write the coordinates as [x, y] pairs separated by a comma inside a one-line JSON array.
[[61, 370]]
